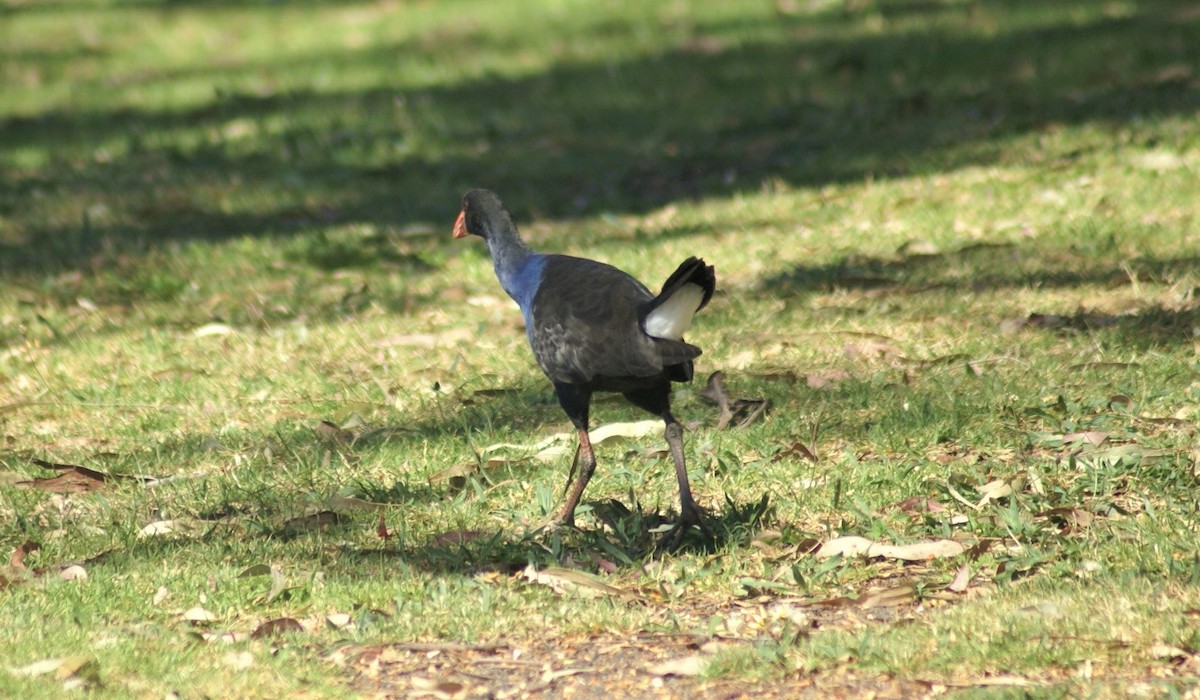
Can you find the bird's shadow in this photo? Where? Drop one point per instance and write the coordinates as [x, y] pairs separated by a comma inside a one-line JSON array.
[[622, 539]]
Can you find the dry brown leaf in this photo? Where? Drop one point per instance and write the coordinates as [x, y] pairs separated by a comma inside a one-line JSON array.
[[692, 665], [1090, 437], [307, 523], [919, 363], [199, 615], [739, 413], [796, 449], [442, 690], [851, 546], [916, 504], [212, 329], [871, 349], [74, 572], [454, 477], [78, 479], [961, 581], [160, 528], [1166, 651], [888, 597], [339, 621], [612, 432], [564, 581], [277, 627], [74, 672], [1072, 518], [17, 558], [225, 637], [353, 503], [825, 380], [715, 392], [331, 433], [238, 660], [994, 490]]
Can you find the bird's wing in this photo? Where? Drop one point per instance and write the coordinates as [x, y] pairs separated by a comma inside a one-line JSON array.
[[586, 323]]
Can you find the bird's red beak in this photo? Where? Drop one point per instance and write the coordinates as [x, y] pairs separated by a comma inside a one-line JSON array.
[[460, 225]]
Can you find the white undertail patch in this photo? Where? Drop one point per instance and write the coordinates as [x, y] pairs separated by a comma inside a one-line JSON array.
[[671, 319]]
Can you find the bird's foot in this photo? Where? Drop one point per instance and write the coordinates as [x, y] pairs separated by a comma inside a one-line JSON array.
[[689, 516], [559, 521]]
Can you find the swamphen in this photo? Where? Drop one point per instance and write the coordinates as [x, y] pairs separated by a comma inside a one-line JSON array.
[[594, 328]]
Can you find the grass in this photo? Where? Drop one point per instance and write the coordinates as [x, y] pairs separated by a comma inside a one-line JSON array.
[[951, 237]]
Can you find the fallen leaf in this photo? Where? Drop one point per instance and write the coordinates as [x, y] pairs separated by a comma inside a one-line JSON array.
[[851, 546], [1091, 437], [715, 392], [238, 660], [871, 349], [848, 546], [75, 672], [211, 329], [888, 597], [339, 621], [331, 433], [256, 570], [225, 637], [994, 490], [825, 380], [1122, 402], [277, 627], [916, 504], [199, 615], [961, 580], [454, 477], [614, 431], [307, 523], [563, 581], [37, 668], [77, 479], [692, 665], [443, 690], [918, 363], [1073, 518], [353, 503], [74, 572], [160, 528], [1166, 651], [796, 449], [17, 558]]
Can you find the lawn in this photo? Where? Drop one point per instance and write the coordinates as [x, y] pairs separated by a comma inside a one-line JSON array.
[[266, 430]]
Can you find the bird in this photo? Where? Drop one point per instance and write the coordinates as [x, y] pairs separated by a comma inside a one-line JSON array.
[[594, 328]]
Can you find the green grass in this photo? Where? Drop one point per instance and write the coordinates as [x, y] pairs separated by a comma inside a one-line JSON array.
[[976, 220]]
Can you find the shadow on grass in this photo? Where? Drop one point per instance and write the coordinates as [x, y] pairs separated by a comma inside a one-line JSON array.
[[799, 100], [997, 267], [625, 539]]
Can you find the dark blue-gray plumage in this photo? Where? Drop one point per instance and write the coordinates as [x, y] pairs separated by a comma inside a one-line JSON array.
[[594, 328]]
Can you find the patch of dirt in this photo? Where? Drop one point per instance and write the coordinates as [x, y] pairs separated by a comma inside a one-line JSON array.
[[586, 667]]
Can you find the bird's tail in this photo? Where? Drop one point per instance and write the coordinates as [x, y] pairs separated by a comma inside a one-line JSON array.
[[684, 293]]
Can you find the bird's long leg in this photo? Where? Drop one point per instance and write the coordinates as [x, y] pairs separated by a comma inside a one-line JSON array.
[[587, 467], [687, 505], [657, 400], [575, 401], [689, 513]]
